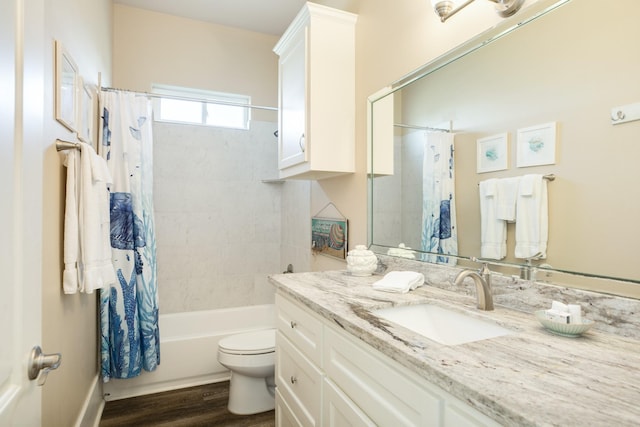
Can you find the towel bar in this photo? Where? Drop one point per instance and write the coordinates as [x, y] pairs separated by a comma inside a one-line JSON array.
[[66, 145]]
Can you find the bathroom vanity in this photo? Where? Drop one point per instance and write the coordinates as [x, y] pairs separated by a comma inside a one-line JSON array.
[[339, 364]]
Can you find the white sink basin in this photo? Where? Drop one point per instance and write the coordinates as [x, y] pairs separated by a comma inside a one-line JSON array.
[[439, 324]]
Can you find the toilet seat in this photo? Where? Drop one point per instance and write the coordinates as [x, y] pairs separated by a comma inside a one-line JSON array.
[[259, 342]]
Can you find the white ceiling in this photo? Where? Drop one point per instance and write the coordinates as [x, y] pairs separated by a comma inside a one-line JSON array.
[[264, 16]]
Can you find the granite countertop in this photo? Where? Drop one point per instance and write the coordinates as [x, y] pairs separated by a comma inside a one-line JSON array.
[[528, 378]]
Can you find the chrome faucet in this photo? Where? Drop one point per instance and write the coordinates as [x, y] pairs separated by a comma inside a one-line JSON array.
[[482, 279]]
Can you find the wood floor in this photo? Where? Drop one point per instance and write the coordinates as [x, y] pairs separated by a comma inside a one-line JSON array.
[[190, 407]]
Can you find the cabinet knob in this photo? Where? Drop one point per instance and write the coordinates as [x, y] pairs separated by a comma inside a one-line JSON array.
[[301, 143], [293, 379], [293, 324]]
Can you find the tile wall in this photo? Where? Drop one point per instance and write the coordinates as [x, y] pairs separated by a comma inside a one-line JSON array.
[[218, 226]]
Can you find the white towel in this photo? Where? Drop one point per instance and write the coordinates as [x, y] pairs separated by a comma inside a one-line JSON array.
[[507, 193], [493, 231], [71, 254], [399, 281], [532, 218], [87, 248], [95, 245]]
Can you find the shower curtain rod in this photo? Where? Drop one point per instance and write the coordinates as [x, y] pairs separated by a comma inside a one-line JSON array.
[[187, 98], [401, 125]]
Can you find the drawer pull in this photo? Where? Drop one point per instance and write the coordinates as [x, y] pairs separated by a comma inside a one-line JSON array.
[[293, 324], [293, 379]]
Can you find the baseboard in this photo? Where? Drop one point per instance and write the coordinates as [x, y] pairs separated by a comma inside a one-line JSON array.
[[121, 390], [93, 406]]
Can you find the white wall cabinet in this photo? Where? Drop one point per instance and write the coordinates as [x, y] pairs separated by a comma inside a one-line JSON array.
[[316, 84], [342, 381]]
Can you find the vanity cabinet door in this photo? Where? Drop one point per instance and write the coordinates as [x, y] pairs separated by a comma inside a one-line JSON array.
[[388, 395], [458, 414], [339, 411], [299, 382], [284, 414]]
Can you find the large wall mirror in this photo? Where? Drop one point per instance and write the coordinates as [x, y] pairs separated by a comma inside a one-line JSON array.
[[570, 65]]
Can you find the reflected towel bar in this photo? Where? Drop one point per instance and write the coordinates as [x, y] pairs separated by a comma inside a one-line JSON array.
[[66, 145], [549, 177]]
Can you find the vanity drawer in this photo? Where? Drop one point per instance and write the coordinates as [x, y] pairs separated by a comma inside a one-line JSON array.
[[301, 328], [299, 382]]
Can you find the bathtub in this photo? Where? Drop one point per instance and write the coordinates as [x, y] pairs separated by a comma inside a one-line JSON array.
[[188, 349]]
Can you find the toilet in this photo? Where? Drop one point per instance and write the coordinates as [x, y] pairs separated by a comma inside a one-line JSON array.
[[251, 359]]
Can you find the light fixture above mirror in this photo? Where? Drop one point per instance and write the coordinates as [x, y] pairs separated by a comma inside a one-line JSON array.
[[445, 9]]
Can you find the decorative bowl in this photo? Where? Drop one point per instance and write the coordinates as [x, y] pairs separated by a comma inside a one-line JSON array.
[[571, 330]]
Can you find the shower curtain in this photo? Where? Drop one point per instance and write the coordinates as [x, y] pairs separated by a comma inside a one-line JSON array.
[[439, 234], [129, 308]]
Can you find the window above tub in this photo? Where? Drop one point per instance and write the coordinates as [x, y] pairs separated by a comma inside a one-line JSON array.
[[201, 107]]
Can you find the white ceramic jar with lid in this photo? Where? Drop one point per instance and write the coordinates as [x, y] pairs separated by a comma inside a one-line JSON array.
[[361, 261]]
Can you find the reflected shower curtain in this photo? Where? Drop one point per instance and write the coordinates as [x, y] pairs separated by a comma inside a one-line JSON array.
[[439, 233], [129, 309]]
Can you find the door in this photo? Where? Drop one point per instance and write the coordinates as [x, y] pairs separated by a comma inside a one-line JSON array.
[[21, 119], [292, 87]]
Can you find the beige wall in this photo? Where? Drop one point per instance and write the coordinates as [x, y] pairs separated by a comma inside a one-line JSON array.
[[69, 322], [150, 47]]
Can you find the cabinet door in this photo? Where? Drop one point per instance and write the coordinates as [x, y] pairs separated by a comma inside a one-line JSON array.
[[388, 395], [458, 414], [284, 415], [339, 410], [292, 66]]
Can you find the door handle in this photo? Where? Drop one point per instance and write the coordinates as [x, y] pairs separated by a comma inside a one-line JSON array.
[[40, 364]]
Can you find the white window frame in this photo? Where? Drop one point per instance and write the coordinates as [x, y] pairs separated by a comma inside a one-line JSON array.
[[204, 98]]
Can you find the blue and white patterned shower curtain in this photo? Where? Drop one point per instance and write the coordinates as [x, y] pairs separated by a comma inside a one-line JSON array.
[[130, 338], [439, 231]]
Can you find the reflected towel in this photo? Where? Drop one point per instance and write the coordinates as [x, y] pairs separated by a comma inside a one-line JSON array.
[[493, 231], [532, 218], [507, 193], [399, 281]]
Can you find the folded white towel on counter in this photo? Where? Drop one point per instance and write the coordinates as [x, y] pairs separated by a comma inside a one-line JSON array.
[[532, 218], [399, 281]]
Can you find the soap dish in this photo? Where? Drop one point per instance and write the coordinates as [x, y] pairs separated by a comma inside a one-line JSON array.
[[571, 330]]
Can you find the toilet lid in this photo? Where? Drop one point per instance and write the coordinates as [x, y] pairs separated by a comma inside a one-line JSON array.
[[249, 343]]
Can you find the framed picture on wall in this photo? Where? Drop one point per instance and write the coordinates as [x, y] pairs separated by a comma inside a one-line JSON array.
[[66, 77], [86, 114], [492, 153], [536, 145], [329, 237]]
